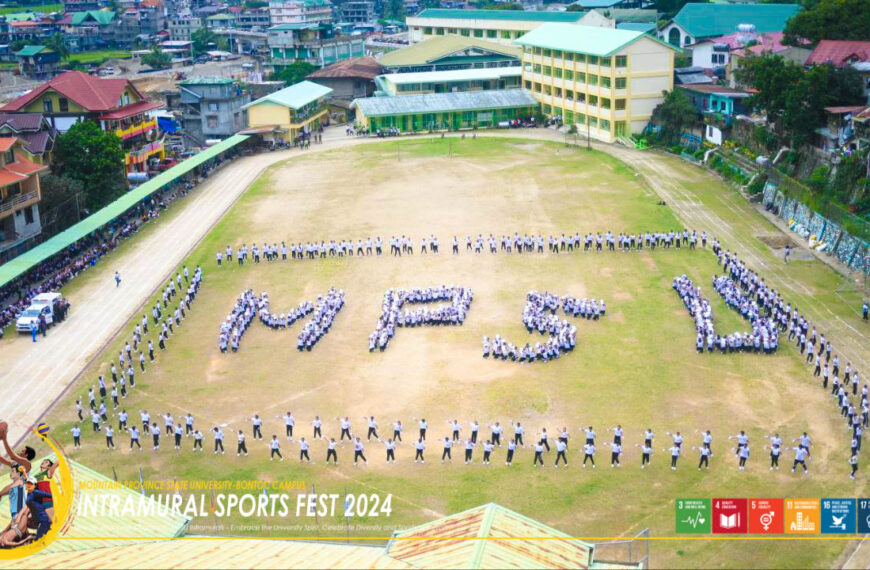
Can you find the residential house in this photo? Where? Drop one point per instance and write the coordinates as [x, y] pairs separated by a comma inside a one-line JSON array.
[[139, 24], [691, 76], [20, 195], [717, 106], [764, 45], [501, 26], [314, 43], [220, 21], [84, 5], [37, 62], [212, 108], [285, 114], [450, 52], [300, 12], [718, 53], [89, 30], [350, 78], [697, 22], [605, 81], [842, 53], [256, 19], [115, 104], [456, 81], [182, 27], [35, 132], [357, 11]]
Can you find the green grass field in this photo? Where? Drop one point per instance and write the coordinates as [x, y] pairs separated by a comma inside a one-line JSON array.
[[44, 8], [637, 367], [98, 57]]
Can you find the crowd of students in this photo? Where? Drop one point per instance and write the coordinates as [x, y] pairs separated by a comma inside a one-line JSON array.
[[248, 305], [394, 315], [539, 315]]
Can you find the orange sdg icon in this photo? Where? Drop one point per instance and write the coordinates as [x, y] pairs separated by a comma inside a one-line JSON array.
[[802, 516]]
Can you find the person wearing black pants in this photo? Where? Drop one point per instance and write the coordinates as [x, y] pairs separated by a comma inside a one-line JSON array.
[[561, 446], [275, 448], [420, 445], [241, 448], [543, 441], [358, 452], [705, 458], [391, 451], [446, 453], [373, 428], [512, 446], [330, 451], [345, 430], [539, 455], [469, 446]]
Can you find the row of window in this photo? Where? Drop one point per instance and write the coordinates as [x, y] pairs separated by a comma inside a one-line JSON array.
[[615, 61], [579, 76], [473, 33], [569, 117], [580, 97]]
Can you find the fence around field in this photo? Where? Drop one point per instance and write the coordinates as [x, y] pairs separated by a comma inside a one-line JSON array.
[[823, 233], [630, 552]]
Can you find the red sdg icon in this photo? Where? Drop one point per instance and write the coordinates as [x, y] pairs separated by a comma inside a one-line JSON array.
[[729, 516], [766, 516]]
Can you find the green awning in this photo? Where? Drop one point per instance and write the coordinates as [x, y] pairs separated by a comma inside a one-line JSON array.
[[95, 221]]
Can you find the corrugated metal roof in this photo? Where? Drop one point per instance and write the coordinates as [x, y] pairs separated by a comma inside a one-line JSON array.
[[508, 15], [644, 27], [445, 102], [440, 47], [15, 267], [705, 20], [28, 51], [156, 526], [216, 553], [296, 96], [580, 39], [452, 75], [535, 544], [207, 80]]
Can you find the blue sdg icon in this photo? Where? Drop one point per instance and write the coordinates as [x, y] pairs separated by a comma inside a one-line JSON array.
[[864, 516], [838, 516]]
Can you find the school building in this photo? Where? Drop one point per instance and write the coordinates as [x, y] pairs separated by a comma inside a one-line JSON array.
[[486, 79], [501, 26], [287, 113], [445, 111], [606, 81]]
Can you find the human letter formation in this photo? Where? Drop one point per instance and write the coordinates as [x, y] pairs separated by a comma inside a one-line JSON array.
[[393, 315], [248, 305]]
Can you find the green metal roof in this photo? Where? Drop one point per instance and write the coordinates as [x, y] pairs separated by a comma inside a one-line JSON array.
[[708, 20], [27, 51], [645, 27], [440, 47], [583, 39], [453, 75], [206, 80], [296, 96], [221, 17], [20, 17], [445, 102], [292, 27], [19, 265], [102, 17], [504, 15]]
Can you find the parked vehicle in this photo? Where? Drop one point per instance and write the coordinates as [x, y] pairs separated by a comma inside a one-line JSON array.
[[45, 304]]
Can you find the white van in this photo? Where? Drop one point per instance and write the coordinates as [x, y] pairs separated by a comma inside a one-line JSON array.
[[42, 304]]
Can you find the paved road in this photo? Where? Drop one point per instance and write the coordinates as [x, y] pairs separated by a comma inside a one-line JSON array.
[[32, 375]]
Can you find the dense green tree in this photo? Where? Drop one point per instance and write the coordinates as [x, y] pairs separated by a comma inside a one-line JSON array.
[[95, 159], [202, 38], [294, 73], [57, 44], [62, 201], [675, 114], [829, 20], [669, 8], [394, 10], [157, 59]]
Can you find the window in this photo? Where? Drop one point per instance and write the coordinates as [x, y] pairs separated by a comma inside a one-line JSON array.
[[592, 80], [465, 32], [593, 100], [558, 92], [491, 33], [439, 31], [505, 35], [605, 125], [620, 82], [568, 116], [427, 31], [621, 61], [569, 95], [593, 60], [537, 87], [619, 105], [64, 104], [579, 58], [568, 74], [537, 68], [580, 118], [558, 72], [527, 67], [547, 109], [478, 33], [212, 121], [528, 85], [547, 53], [212, 106], [548, 71], [47, 106], [605, 82], [8, 157], [593, 121], [581, 77], [557, 53], [605, 102], [28, 215], [605, 62]]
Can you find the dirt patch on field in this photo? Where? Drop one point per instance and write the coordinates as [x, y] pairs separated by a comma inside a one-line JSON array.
[[776, 241]]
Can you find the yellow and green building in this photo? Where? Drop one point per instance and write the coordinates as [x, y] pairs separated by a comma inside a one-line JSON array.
[[606, 81], [287, 113]]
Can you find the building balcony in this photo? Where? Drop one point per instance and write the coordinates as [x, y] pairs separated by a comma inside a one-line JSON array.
[[136, 129], [141, 155], [18, 202]]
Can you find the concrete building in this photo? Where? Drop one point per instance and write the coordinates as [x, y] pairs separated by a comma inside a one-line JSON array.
[[502, 26], [212, 108], [696, 22], [289, 112], [606, 81], [20, 195], [115, 104], [314, 43], [357, 11], [253, 19], [182, 27], [449, 81], [349, 79], [300, 12], [450, 52], [37, 62], [138, 24]]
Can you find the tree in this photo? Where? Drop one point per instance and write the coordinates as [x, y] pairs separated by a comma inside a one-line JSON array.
[[674, 114], [95, 159], [394, 10], [669, 8], [56, 44], [157, 59], [829, 20], [294, 73], [202, 38], [504, 6], [62, 200]]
